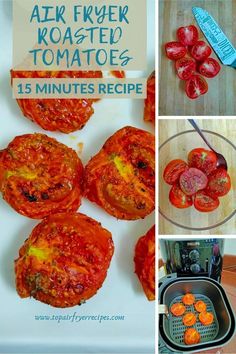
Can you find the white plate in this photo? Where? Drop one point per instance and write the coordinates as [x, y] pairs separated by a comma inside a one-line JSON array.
[[121, 293]]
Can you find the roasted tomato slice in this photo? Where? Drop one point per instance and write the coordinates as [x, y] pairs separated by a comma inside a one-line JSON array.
[[178, 198], [205, 203], [64, 261], [192, 181], [219, 183], [65, 115], [149, 104], [187, 35], [209, 68], [200, 51], [204, 160], [121, 178], [144, 260], [189, 319], [188, 299], [206, 318], [196, 86], [173, 170], [40, 176], [191, 336], [175, 50], [178, 309], [200, 306], [185, 68]]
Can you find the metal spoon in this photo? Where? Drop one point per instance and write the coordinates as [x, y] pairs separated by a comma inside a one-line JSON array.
[[221, 162]]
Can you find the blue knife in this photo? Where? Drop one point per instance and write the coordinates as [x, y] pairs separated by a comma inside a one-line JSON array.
[[215, 36]]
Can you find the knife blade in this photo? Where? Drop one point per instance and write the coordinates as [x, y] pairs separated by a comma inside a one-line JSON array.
[[222, 46]]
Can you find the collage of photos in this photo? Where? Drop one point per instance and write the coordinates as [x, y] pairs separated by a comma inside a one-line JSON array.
[[197, 177]]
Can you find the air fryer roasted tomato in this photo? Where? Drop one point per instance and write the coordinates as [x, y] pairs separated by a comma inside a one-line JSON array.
[[219, 183], [64, 261], [144, 260], [204, 203], [173, 170], [175, 50], [178, 309], [204, 160], [189, 319], [149, 105], [192, 181], [206, 318], [40, 176], [209, 68], [200, 51], [65, 115], [196, 86], [200, 306], [178, 198], [191, 336], [121, 178], [188, 299], [185, 68], [187, 35]]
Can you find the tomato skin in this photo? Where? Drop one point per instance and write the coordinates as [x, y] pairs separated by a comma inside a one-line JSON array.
[[209, 68], [173, 171], [219, 183], [178, 198], [149, 104], [206, 318], [175, 50], [187, 35], [144, 260], [196, 86], [189, 319], [61, 264], [200, 51], [188, 299], [192, 180], [178, 309], [185, 68], [204, 160], [204, 203], [191, 336]]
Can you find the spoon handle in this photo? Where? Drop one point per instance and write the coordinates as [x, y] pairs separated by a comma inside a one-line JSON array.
[[196, 127]]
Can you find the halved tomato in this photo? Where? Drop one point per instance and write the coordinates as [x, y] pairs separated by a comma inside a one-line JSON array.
[[200, 306], [219, 183], [178, 309], [175, 50], [196, 86], [206, 318], [200, 51], [191, 336], [149, 104], [178, 198], [173, 170], [204, 160], [209, 68], [185, 68], [187, 35], [188, 299], [189, 319], [205, 203], [192, 180]]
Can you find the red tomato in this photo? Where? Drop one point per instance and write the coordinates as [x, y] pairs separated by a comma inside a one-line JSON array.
[[192, 180], [178, 198], [209, 68], [191, 336], [219, 183], [205, 203], [119, 74], [149, 105], [185, 68], [200, 51], [196, 86], [173, 170], [175, 50], [204, 160], [187, 35]]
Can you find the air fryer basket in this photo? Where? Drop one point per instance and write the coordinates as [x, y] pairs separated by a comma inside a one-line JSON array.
[[211, 292]]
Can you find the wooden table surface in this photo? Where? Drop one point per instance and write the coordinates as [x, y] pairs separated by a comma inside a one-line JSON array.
[[220, 99], [170, 127]]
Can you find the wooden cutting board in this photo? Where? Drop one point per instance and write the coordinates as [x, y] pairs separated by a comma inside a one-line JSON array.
[[169, 127], [220, 99]]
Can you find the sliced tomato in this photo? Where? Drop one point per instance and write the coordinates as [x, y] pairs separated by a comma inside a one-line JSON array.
[[219, 183], [178, 198], [192, 180], [196, 86], [205, 203], [178, 309], [209, 68], [185, 68], [200, 51], [200, 306], [191, 336], [173, 170], [175, 50], [206, 318], [189, 319], [204, 160], [188, 299], [187, 35]]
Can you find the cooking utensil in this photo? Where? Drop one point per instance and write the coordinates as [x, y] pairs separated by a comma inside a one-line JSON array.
[[221, 162], [222, 46]]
